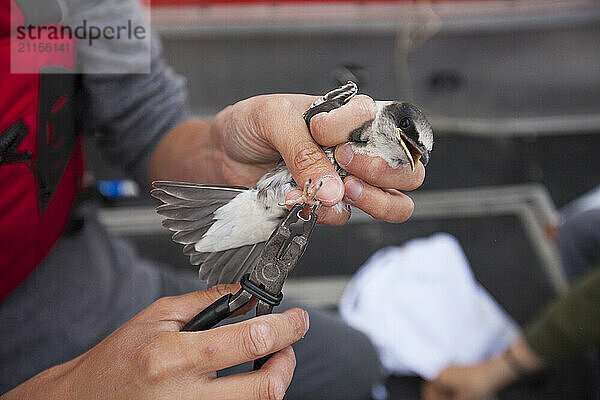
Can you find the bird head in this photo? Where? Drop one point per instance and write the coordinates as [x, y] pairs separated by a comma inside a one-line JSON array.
[[400, 134]]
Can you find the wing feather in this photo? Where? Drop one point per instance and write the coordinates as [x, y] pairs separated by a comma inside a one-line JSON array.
[[189, 211], [198, 258], [229, 266], [190, 250], [177, 225], [195, 191], [191, 236]]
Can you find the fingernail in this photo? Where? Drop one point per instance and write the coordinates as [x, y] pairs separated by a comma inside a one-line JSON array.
[[306, 322], [344, 154], [331, 190], [354, 189]]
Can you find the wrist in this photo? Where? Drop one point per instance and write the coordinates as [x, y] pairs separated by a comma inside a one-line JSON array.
[[190, 152], [499, 374], [522, 355], [516, 362]]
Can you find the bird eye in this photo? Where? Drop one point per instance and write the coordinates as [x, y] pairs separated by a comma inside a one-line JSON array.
[[404, 123]]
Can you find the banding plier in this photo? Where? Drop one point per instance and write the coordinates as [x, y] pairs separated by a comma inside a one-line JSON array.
[[281, 253]]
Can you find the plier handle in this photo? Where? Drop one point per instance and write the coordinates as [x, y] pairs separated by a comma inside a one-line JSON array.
[[281, 253]]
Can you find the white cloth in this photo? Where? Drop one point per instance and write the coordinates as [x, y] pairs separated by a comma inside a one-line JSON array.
[[423, 310]]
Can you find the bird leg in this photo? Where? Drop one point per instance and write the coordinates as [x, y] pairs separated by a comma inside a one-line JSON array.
[[308, 194]]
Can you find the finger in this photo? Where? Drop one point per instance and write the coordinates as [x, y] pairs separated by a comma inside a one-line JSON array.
[[377, 172], [181, 309], [286, 130], [302, 102], [387, 205], [234, 344], [270, 382], [426, 392], [335, 126], [337, 215], [432, 391]]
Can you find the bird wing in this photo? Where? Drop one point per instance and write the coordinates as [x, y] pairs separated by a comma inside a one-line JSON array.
[[229, 266], [189, 209]]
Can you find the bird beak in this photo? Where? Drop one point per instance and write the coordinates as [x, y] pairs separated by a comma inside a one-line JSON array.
[[413, 151]]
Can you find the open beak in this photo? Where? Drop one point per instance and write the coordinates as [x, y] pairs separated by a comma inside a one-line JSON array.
[[413, 152]]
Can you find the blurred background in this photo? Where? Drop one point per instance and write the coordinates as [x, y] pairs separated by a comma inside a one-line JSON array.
[[512, 90]]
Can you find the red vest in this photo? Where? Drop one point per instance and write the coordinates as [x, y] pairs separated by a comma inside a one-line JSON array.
[[40, 154]]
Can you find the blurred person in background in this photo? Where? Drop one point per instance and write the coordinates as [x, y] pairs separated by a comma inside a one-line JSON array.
[[67, 284], [568, 327]]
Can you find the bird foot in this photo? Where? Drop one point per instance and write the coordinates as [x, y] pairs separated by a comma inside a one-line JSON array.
[[308, 195]]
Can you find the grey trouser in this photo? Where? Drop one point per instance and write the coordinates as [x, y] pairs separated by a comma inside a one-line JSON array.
[[91, 283]]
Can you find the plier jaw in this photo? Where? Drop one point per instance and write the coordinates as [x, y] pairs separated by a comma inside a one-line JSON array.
[[280, 255]]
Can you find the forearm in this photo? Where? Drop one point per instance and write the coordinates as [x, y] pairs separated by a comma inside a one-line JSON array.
[[190, 152], [49, 384]]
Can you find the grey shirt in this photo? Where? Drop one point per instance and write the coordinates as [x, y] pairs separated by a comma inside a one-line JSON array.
[[128, 112]]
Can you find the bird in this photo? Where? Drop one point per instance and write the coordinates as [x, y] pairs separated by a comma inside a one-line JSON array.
[[223, 228]]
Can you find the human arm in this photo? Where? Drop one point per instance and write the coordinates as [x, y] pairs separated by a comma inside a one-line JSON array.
[[481, 380], [569, 326], [148, 357]]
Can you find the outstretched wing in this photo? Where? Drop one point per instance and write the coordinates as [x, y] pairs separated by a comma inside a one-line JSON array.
[[229, 249]]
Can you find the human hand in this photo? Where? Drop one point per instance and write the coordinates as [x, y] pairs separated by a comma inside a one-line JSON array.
[[481, 380], [149, 358], [461, 383], [256, 132]]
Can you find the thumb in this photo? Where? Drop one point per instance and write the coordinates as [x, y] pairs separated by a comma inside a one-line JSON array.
[[284, 127]]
